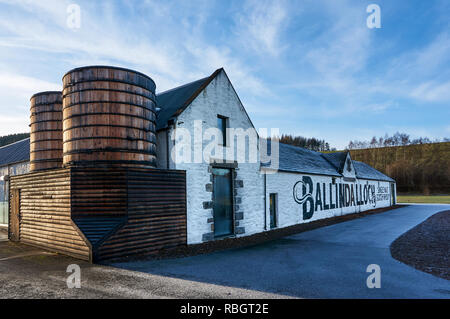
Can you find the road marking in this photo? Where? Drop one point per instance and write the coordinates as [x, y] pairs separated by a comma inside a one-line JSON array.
[[37, 253]]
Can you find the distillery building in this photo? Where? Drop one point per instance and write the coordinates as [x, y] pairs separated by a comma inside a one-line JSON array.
[[112, 169]]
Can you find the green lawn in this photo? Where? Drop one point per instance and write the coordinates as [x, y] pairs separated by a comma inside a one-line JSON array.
[[432, 199]]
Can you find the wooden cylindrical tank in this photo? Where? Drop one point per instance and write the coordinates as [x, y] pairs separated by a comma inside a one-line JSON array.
[[108, 118], [46, 144]]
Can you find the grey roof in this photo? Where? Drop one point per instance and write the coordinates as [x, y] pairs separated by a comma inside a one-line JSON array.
[[174, 101], [15, 152], [366, 171], [300, 160], [337, 159]]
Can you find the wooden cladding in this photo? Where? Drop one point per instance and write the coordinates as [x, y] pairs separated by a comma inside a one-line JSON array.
[[100, 213], [98, 192], [46, 131], [45, 214], [108, 118], [156, 216]]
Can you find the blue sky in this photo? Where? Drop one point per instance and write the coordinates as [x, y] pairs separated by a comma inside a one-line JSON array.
[[310, 68]]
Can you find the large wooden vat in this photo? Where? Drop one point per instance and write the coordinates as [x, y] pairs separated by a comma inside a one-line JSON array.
[[46, 145], [108, 118]]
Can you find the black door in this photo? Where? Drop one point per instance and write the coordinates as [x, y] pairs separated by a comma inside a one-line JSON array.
[[392, 194], [222, 202]]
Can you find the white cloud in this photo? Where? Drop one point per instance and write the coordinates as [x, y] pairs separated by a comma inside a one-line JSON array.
[[261, 24], [14, 124], [432, 92], [15, 93], [21, 85]]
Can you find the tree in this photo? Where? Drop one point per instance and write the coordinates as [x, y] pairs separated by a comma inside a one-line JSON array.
[[11, 138], [398, 139], [309, 143]]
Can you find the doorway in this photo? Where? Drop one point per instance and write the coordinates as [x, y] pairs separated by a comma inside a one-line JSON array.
[[14, 231], [392, 194], [222, 202]]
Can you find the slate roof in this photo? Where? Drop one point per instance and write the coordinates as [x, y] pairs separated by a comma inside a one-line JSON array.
[[15, 152], [300, 160], [368, 172], [337, 159], [174, 101]]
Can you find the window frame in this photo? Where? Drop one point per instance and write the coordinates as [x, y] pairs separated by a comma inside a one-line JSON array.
[[224, 121]]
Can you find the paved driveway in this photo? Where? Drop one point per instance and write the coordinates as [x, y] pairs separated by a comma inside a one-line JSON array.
[[329, 262]]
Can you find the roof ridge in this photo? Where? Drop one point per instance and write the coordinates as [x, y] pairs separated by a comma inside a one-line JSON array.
[[300, 147], [14, 143], [181, 86]]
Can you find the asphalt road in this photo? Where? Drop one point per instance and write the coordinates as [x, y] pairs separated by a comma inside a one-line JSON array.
[[27, 272], [328, 262]]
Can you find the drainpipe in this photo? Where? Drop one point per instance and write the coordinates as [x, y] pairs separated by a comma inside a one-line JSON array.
[[265, 201], [171, 127], [167, 148]]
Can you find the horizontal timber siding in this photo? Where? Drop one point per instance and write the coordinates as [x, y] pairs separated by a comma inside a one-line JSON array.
[[98, 192], [156, 214], [45, 213], [102, 213]]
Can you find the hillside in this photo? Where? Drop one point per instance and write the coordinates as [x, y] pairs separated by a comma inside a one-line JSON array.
[[422, 168], [8, 139]]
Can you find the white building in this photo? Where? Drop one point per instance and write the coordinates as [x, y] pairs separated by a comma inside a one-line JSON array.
[[231, 191], [331, 184]]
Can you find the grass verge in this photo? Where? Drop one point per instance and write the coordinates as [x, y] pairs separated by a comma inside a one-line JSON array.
[[432, 199]]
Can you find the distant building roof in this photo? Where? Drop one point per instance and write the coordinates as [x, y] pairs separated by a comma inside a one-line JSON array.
[[15, 152], [174, 101], [300, 160], [366, 171]]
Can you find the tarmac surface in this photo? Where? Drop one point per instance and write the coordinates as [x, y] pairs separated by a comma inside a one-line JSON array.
[[27, 272], [328, 262]]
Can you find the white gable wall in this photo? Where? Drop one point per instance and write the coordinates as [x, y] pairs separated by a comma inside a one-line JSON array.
[[219, 98], [349, 168]]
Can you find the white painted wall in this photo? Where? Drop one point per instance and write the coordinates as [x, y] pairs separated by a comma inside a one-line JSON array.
[[218, 98], [290, 212]]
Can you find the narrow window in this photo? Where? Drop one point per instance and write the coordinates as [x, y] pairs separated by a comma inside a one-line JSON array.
[[222, 125], [273, 210]]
